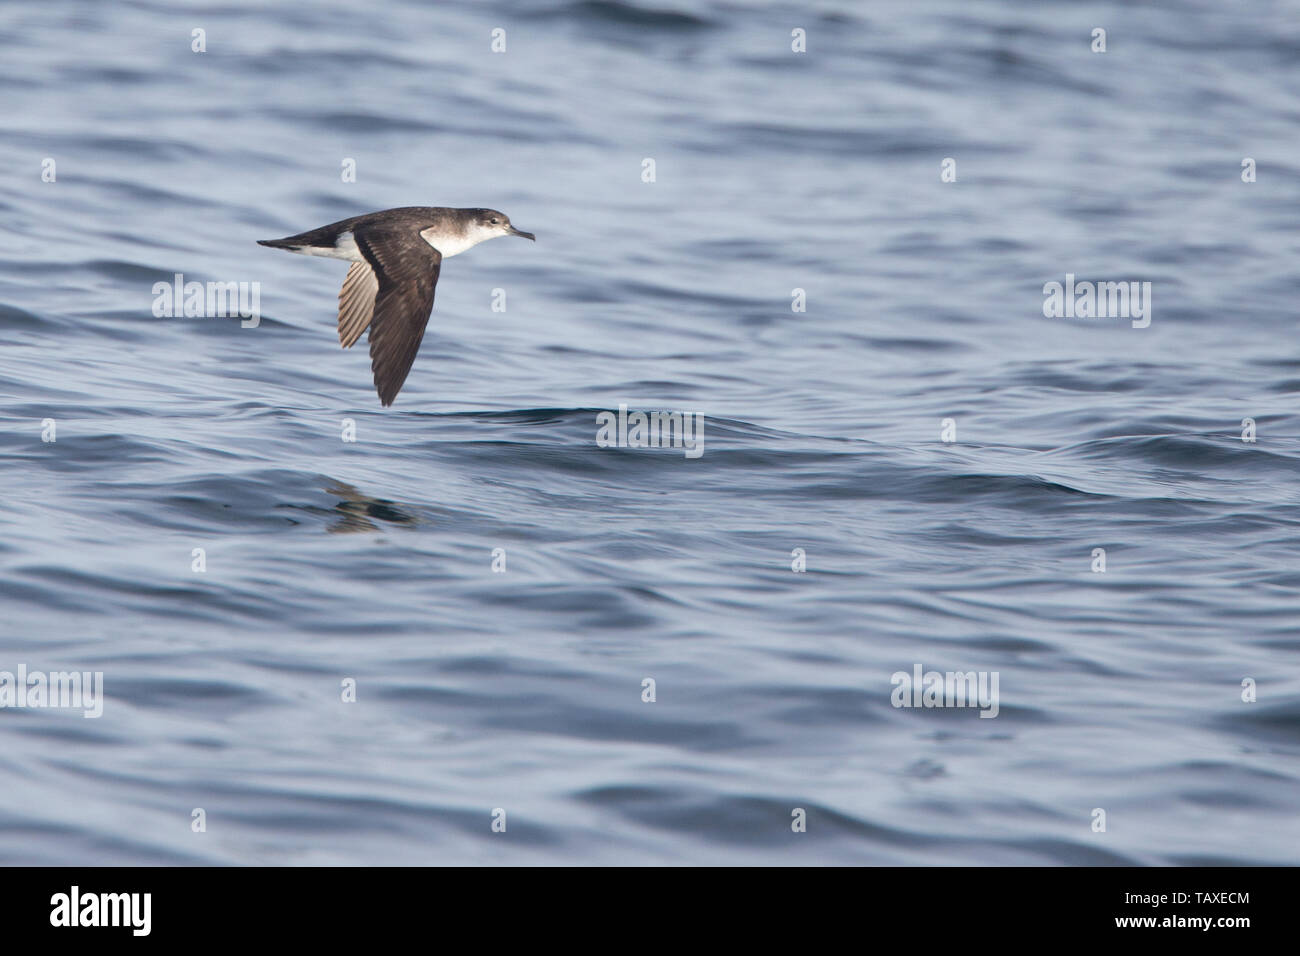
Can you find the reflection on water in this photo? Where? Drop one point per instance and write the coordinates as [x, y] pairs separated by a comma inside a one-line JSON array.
[[357, 509]]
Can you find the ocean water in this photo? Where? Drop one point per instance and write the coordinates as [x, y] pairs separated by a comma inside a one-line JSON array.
[[516, 694]]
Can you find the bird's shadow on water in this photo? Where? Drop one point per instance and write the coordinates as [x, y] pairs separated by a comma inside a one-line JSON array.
[[354, 513]]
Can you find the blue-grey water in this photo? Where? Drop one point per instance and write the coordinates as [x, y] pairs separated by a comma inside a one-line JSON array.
[[327, 562]]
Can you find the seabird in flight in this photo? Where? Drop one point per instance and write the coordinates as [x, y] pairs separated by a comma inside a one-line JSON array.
[[395, 256]]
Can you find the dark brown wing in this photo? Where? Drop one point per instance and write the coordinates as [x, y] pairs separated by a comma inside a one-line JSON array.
[[407, 269]]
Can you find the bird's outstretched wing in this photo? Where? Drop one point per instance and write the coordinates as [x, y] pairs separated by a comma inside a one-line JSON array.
[[356, 303], [406, 268]]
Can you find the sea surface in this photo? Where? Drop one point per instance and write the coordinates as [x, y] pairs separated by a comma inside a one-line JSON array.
[[495, 589]]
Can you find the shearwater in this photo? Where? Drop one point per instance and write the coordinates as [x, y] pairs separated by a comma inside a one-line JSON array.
[[396, 255]]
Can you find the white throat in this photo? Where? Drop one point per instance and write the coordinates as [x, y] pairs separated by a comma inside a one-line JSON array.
[[453, 244]]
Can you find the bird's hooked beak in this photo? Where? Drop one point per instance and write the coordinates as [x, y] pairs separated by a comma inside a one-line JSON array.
[[525, 235]]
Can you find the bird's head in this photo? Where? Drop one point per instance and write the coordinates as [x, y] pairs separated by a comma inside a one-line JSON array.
[[489, 224]]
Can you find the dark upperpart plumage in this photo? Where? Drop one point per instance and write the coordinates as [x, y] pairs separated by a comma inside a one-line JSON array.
[[389, 287]]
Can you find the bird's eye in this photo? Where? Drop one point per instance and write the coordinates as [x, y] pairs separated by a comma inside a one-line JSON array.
[[494, 221]]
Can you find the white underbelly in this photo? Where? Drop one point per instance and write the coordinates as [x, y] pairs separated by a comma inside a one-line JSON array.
[[450, 245], [345, 247]]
